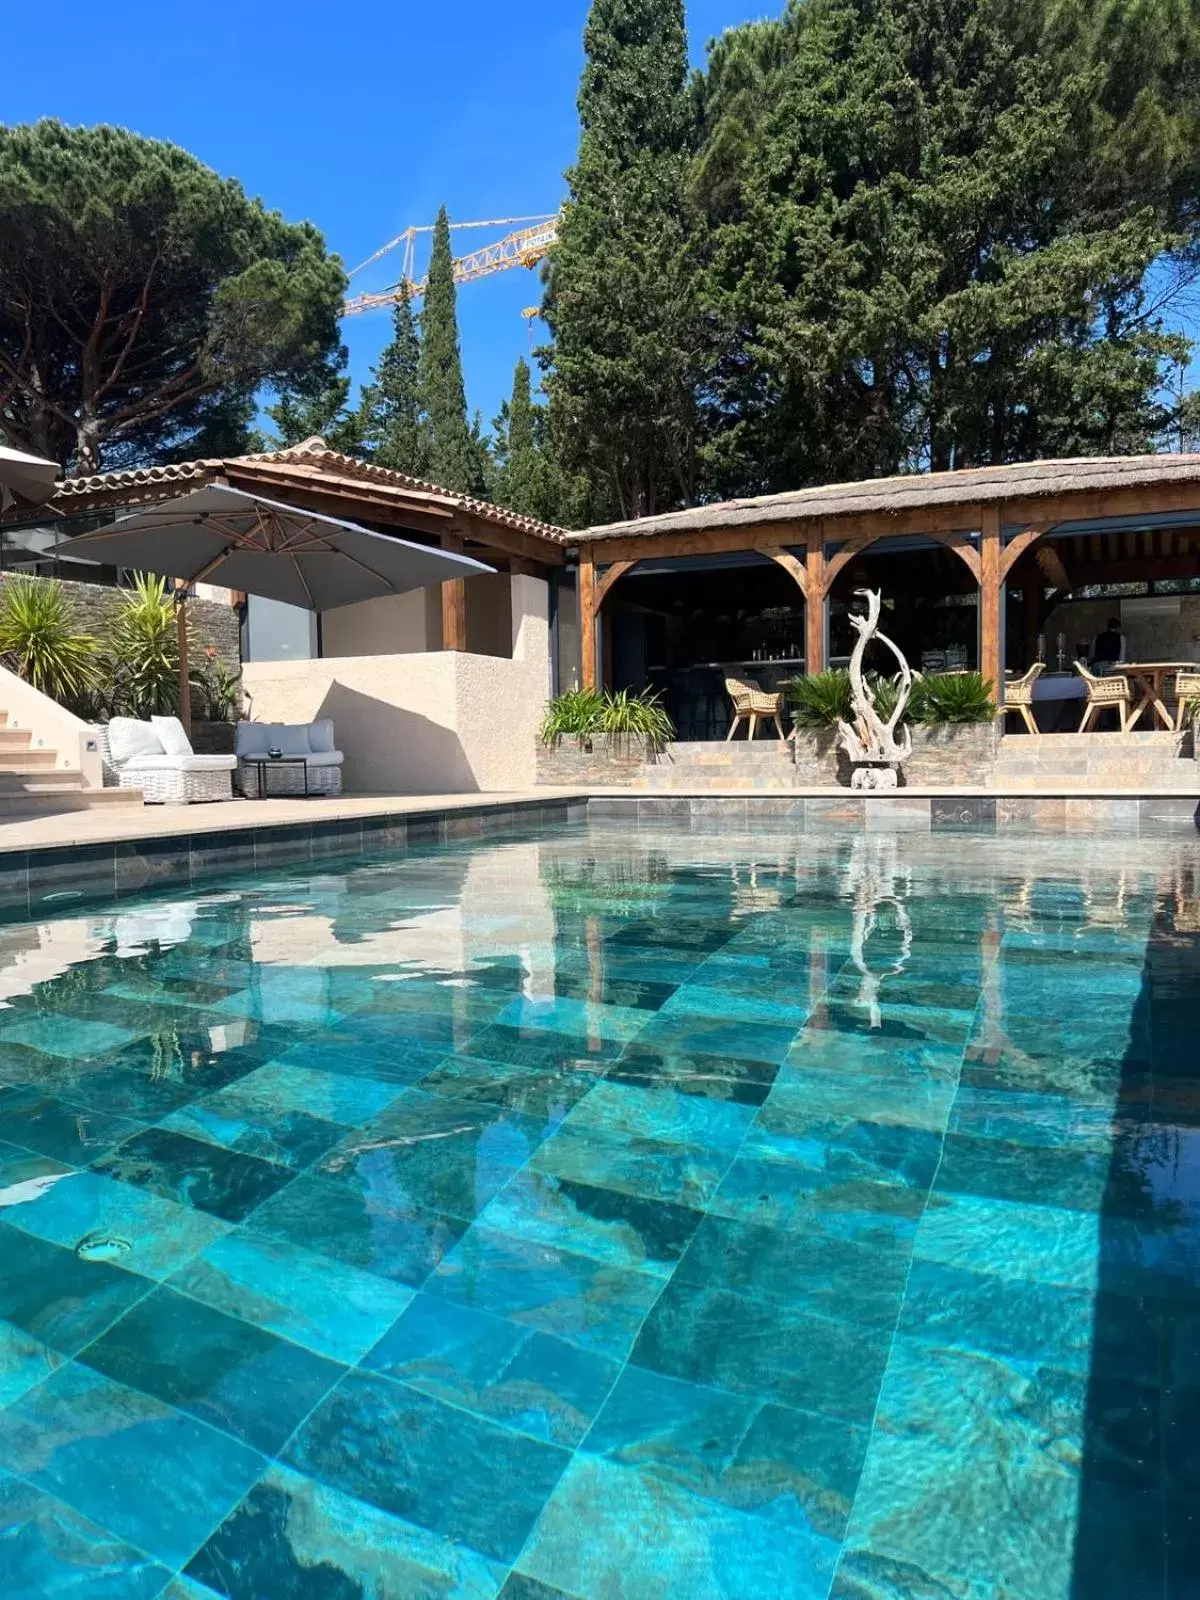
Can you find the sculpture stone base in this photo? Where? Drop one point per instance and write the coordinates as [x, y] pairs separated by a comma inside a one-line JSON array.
[[870, 776]]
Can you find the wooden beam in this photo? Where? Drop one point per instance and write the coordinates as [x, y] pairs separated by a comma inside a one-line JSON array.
[[454, 604], [991, 588], [814, 601], [837, 563], [1017, 546], [587, 619], [791, 564], [617, 570], [1050, 565]]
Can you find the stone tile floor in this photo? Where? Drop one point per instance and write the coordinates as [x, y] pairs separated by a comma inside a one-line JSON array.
[[611, 1215]]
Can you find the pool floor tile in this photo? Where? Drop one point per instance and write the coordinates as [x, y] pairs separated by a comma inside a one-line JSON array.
[[206, 1177], [240, 1378], [58, 1298], [456, 1475], [47, 1550], [152, 1476]]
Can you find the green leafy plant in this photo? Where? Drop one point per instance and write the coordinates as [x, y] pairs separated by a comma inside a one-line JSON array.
[[145, 655], [40, 641], [952, 697], [216, 690], [820, 699], [587, 711]]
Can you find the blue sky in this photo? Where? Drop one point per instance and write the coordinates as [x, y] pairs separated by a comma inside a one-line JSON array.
[[363, 118]]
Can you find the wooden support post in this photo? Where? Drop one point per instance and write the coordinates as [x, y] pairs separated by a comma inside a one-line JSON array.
[[181, 635], [991, 589], [814, 601], [454, 603], [587, 620]]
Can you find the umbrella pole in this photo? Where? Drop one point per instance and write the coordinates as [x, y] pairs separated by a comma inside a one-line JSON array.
[[181, 633]]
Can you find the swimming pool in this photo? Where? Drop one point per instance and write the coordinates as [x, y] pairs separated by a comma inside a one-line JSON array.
[[610, 1214]]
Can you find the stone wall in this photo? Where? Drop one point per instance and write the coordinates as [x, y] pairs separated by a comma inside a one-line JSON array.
[[960, 755], [209, 622], [601, 758]]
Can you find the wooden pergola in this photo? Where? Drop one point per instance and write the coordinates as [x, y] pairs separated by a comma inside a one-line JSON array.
[[1061, 523], [319, 479]]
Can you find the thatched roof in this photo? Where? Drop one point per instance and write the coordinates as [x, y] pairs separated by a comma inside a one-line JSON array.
[[1024, 481]]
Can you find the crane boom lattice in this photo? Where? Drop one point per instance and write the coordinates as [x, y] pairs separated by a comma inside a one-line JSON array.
[[522, 247]]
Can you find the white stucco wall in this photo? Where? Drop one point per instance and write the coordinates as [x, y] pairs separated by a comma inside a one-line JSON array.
[[393, 625], [443, 722]]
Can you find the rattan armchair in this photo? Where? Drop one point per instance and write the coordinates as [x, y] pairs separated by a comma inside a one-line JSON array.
[[749, 703], [1187, 693], [1018, 695], [1105, 694]]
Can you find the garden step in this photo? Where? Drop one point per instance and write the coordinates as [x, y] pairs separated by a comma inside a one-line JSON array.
[[18, 758], [39, 780]]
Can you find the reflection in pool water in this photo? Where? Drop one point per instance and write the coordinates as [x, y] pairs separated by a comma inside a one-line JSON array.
[[598, 1215]]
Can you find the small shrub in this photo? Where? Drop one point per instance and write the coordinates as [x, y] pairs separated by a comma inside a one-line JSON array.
[[581, 712], [39, 639], [216, 690], [821, 699], [952, 697]]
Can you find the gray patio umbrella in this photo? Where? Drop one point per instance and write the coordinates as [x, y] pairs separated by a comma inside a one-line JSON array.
[[26, 478], [264, 547]]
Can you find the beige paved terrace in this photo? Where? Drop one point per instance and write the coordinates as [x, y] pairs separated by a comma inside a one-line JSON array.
[[111, 823]]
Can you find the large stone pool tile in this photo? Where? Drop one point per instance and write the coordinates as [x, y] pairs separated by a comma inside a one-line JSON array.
[[582, 1019], [502, 1370], [104, 1219], [329, 1096], [817, 1097], [838, 1277], [545, 1093], [24, 1362], [47, 1550], [685, 1175], [591, 1303], [220, 1369], [1031, 1119], [383, 1231], [628, 1111], [852, 1057], [649, 1235], [1049, 1244], [704, 997], [286, 1138], [55, 1296], [972, 1477], [398, 1060], [1074, 1176], [775, 1352], [294, 1539], [840, 1200], [537, 1048], [845, 1148], [612, 1531], [154, 1477], [52, 1127], [713, 1077], [410, 1455], [206, 1177], [716, 1036], [313, 1300], [791, 1466], [68, 1038]]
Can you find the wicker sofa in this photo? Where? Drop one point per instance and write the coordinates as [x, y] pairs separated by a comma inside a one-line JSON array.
[[313, 742], [157, 758]]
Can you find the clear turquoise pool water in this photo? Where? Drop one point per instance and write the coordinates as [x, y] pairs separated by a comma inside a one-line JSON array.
[[610, 1216]]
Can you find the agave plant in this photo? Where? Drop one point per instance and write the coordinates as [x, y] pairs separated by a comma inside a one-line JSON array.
[[39, 639], [145, 657], [954, 697]]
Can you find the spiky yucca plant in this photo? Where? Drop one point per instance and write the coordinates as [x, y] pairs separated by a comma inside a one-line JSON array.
[[40, 640], [145, 657]]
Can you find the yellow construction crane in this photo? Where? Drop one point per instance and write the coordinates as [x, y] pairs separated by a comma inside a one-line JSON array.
[[524, 246]]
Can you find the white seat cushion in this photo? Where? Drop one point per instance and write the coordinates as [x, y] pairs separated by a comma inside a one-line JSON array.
[[128, 738], [175, 741], [164, 763]]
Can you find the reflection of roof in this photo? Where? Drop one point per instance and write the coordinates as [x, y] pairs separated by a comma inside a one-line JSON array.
[[310, 464], [1024, 481]]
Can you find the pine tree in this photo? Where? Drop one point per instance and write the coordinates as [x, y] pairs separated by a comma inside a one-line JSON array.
[[394, 427], [454, 459], [620, 302]]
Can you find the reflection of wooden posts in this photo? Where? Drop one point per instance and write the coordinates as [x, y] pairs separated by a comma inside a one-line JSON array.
[[454, 603], [595, 955], [814, 602], [991, 586], [587, 620]]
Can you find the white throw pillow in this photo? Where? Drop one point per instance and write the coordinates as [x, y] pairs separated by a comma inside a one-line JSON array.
[[251, 739], [170, 731], [320, 737], [128, 738]]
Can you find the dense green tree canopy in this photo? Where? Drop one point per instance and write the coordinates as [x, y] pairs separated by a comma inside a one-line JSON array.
[[454, 457], [393, 415], [145, 301]]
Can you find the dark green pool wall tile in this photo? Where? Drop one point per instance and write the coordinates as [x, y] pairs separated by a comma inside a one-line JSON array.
[[144, 865], [14, 885], [212, 855], [57, 878]]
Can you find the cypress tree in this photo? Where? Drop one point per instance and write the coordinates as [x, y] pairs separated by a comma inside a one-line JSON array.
[[454, 459], [620, 300], [394, 427]]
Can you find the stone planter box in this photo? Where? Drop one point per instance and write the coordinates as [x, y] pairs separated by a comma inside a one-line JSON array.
[[956, 754], [605, 758]]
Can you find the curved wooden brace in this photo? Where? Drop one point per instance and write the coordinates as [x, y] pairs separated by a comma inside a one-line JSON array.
[[604, 584], [959, 542], [855, 547], [790, 564], [1017, 546]]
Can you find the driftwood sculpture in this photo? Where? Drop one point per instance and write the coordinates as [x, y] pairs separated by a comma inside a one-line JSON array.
[[876, 748]]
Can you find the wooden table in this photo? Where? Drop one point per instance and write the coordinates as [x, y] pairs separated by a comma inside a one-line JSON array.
[[1149, 676]]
